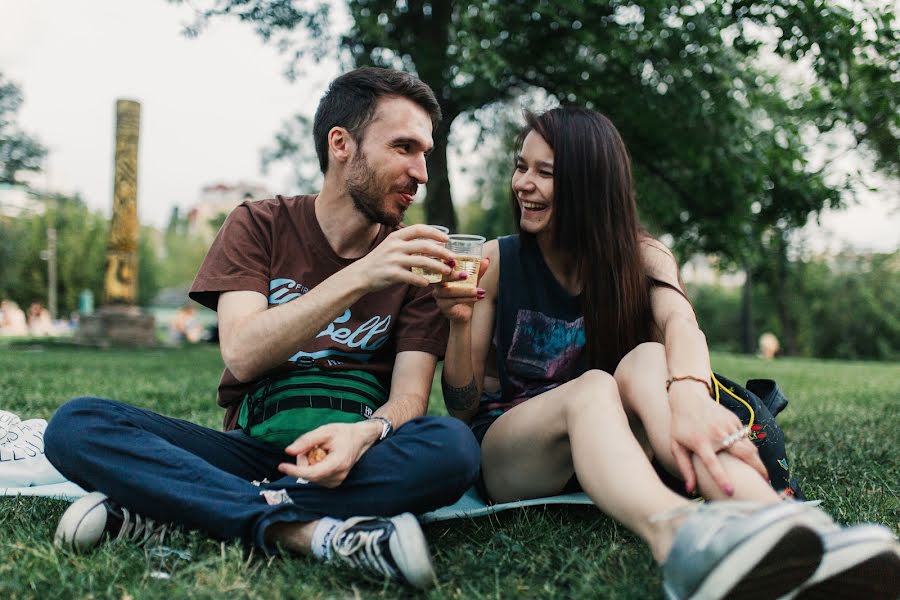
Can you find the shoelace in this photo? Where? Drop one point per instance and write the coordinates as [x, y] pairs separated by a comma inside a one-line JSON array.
[[138, 529], [363, 549]]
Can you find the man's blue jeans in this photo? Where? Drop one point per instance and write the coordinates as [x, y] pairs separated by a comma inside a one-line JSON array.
[[175, 471]]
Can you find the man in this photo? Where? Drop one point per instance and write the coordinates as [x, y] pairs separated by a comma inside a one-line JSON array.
[[330, 344]]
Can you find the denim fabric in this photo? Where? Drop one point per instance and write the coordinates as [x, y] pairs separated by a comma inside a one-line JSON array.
[[178, 472]]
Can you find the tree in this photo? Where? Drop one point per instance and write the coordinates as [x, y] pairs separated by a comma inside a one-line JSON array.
[[702, 119], [18, 151], [81, 252]]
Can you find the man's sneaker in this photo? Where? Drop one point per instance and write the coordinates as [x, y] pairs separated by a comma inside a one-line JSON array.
[[740, 550], [94, 517], [393, 548], [860, 562]]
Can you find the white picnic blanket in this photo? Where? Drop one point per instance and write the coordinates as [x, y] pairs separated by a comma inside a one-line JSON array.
[[471, 505], [25, 471]]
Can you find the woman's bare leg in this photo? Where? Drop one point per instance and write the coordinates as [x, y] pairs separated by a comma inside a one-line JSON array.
[[641, 377], [580, 427]]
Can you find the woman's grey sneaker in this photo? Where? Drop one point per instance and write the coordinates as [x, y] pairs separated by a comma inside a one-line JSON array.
[[860, 562], [741, 550], [94, 518], [393, 548]]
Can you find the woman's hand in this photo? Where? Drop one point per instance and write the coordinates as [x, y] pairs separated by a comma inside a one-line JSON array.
[[458, 303], [701, 427]]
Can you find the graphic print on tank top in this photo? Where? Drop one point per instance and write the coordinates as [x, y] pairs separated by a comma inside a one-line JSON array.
[[544, 353]]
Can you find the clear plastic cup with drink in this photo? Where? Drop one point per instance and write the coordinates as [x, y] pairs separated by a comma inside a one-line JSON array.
[[432, 276], [467, 254]]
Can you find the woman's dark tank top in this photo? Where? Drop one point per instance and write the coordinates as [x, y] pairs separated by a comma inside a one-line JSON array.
[[538, 328]]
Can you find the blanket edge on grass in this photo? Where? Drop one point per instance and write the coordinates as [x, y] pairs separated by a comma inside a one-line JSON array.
[[470, 505]]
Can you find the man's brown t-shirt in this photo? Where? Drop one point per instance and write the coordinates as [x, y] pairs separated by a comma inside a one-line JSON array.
[[277, 248]]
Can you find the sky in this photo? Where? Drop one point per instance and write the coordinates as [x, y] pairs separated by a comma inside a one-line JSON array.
[[209, 105]]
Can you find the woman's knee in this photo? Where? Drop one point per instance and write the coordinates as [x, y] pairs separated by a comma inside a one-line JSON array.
[[593, 390], [644, 363]]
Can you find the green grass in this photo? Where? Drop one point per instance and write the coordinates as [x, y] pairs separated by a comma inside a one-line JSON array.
[[841, 428]]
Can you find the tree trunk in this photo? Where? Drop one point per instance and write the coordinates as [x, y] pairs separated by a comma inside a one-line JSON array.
[[438, 200], [748, 345], [780, 288]]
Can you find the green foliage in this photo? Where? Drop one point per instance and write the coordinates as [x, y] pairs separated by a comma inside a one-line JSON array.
[[845, 308], [182, 254], [18, 151], [718, 312], [838, 426], [855, 313], [81, 253], [717, 137], [149, 267]]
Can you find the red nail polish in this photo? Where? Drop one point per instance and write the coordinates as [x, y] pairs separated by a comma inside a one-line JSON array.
[[452, 263], [729, 490], [463, 275]]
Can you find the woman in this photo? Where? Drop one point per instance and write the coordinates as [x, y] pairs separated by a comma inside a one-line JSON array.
[[599, 365]]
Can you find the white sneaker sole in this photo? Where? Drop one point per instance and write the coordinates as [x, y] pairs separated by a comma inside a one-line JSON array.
[[766, 565], [410, 551], [83, 524]]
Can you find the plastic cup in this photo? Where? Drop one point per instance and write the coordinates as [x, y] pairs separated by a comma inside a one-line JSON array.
[[467, 253], [432, 276]]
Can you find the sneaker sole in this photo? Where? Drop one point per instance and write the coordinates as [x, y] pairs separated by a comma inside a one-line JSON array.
[[871, 572], [82, 525], [410, 551], [767, 565]]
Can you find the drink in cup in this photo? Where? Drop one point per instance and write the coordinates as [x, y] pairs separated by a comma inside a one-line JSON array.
[[467, 253], [432, 276]]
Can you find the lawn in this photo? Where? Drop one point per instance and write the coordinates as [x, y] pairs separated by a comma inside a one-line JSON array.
[[841, 428]]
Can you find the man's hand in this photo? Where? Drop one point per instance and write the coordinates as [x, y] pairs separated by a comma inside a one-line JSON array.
[[391, 262], [457, 303], [698, 427], [344, 443]]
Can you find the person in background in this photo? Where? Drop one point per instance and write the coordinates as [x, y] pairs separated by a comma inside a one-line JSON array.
[[185, 327], [39, 321], [768, 345], [12, 319]]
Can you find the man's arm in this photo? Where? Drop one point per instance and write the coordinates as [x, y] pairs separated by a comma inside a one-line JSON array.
[[345, 443], [255, 338], [410, 387]]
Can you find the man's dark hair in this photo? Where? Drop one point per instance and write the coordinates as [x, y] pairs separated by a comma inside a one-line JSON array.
[[351, 99]]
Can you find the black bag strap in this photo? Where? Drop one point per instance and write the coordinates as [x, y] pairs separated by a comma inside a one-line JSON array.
[[267, 411]]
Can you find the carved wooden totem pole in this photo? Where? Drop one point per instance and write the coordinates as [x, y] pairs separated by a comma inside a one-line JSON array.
[[119, 321], [120, 282]]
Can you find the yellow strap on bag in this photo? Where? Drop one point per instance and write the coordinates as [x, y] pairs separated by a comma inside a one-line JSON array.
[[718, 384]]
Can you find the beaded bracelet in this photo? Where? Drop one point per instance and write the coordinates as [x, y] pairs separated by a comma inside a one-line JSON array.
[[675, 378]]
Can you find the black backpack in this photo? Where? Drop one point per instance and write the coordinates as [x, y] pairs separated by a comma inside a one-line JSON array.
[[759, 401], [756, 405]]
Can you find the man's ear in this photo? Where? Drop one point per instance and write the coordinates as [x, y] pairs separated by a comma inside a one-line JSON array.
[[341, 144]]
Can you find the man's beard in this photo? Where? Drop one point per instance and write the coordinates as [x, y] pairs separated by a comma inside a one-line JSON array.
[[368, 196]]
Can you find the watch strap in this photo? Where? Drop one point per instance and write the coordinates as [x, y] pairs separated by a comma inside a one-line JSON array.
[[387, 427]]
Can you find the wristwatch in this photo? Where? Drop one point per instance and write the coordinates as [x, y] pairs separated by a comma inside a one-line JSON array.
[[387, 428]]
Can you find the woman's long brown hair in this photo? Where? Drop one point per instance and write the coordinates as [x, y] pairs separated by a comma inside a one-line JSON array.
[[595, 222]]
